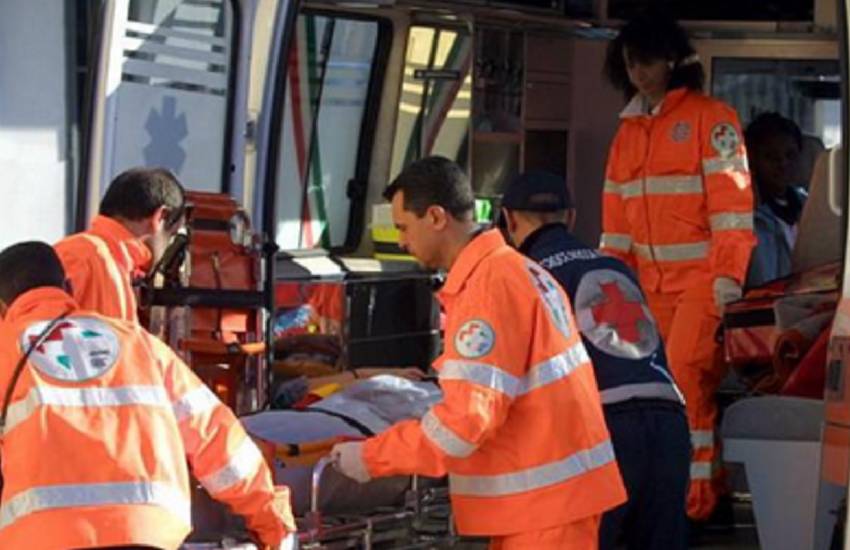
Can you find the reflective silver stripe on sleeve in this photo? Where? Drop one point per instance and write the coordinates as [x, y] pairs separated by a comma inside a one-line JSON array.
[[657, 185], [242, 465], [481, 374], [702, 439], [673, 252], [537, 477], [444, 438], [55, 396], [539, 375], [649, 390], [616, 241], [700, 471], [731, 220], [195, 402], [39, 499], [626, 190], [555, 368], [118, 280], [720, 166], [673, 185]]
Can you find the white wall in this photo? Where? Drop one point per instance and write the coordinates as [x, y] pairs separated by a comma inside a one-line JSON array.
[[32, 120]]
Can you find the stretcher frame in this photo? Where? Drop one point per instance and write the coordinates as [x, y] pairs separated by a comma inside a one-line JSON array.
[[424, 520]]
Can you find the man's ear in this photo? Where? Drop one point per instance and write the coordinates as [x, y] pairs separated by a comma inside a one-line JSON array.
[[510, 220], [159, 219], [570, 218], [438, 216]]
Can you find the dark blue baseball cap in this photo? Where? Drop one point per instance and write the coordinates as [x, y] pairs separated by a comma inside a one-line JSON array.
[[537, 191]]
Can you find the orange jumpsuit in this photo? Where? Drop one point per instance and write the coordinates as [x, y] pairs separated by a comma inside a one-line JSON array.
[[520, 430], [678, 206], [98, 432], [100, 263]]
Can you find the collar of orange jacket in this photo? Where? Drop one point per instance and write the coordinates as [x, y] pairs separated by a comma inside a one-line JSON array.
[[634, 108], [113, 231], [40, 303], [469, 258]]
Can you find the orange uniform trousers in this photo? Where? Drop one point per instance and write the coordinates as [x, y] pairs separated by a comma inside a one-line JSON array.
[[578, 535], [688, 322]]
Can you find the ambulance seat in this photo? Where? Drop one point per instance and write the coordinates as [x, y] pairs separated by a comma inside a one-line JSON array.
[[819, 231], [777, 439]]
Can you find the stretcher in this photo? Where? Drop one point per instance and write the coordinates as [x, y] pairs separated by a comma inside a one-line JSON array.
[[332, 511], [769, 332], [421, 520]]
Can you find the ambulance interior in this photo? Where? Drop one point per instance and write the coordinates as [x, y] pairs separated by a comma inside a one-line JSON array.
[[287, 123]]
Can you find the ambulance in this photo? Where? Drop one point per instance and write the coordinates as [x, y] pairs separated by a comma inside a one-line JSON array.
[[287, 119]]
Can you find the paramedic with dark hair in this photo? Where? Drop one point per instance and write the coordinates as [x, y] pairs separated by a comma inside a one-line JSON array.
[[141, 210], [520, 430], [677, 207], [100, 421]]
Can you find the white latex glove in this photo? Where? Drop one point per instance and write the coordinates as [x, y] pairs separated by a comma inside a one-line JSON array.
[[726, 290], [348, 460], [289, 542]]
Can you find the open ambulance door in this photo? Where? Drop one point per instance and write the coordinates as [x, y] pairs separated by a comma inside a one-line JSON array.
[[835, 448], [172, 88], [168, 89]]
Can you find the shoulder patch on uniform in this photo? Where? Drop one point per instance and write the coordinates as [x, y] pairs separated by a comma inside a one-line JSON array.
[[613, 315], [550, 292], [725, 139], [77, 348], [475, 338], [681, 132]]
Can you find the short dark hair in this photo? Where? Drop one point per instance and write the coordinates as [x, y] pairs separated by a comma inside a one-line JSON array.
[[434, 181], [653, 36], [138, 192], [769, 124], [28, 265]]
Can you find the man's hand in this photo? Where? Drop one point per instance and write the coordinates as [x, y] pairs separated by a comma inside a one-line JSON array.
[[726, 290], [348, 460]]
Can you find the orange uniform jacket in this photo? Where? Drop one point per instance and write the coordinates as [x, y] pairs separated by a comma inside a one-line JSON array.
[[520, 430], [101, 423], [100, 264], [677, 201]]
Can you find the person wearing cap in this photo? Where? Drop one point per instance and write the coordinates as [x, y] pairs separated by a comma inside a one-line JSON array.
[[643, 407], [677, 206], [520, 429]]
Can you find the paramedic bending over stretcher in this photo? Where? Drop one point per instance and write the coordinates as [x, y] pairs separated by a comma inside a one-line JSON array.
[[520, 430], [678, 207], [100, 422], [140, 212]]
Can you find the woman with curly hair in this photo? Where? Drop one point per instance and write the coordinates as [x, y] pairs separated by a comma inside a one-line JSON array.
[[678, 207]]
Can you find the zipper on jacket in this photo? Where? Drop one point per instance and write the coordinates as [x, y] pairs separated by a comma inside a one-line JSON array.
[[647, 156]]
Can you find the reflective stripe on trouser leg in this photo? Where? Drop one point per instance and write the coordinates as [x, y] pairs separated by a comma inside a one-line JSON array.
[[693, 356]]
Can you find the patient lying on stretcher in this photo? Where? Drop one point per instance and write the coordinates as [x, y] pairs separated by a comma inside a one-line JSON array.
[[365, 402]]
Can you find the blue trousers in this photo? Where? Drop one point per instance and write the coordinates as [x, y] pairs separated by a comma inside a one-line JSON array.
[[653, 447]]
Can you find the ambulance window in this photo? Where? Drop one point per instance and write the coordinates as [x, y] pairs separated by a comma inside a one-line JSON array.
[[170, 107], [329, 90], [806, 91], [434, 111]]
